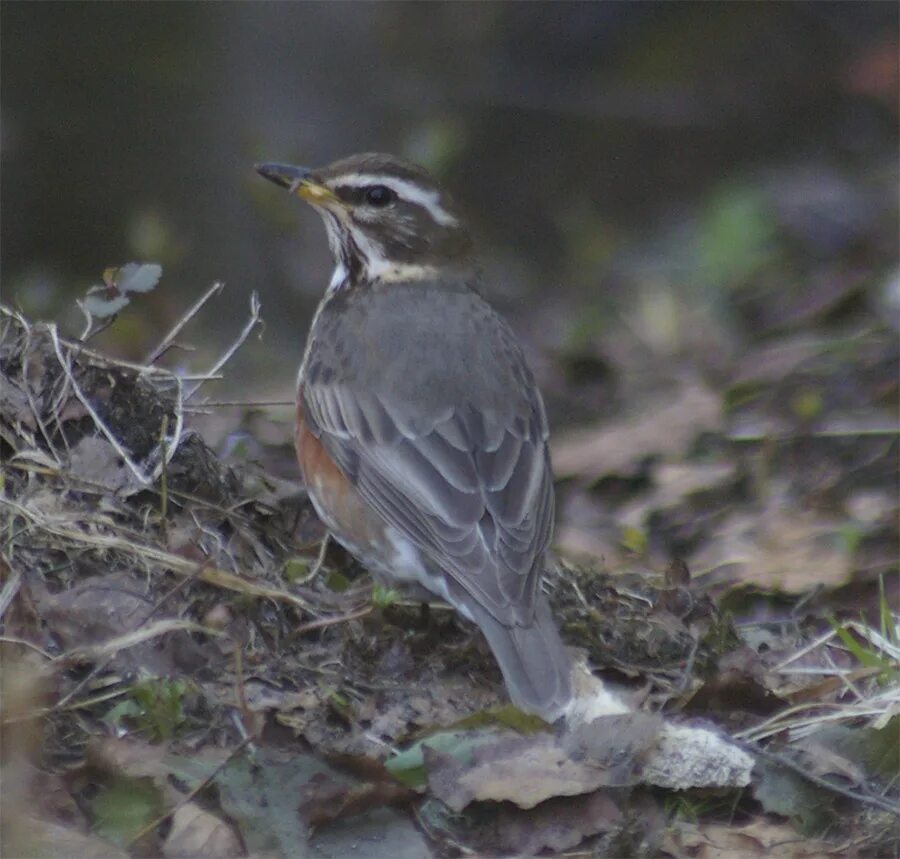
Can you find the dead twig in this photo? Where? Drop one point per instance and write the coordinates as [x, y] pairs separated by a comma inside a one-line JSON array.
[[11, 639], [803, 772], [322, 622], [165, 452], [163, 481], [157, 352], [131, 639], [176, 563], [252, 322], [135, 469], [29, 395], [247, 404], [89, 334], [10, 589], [146, 830], [318, 563], [105, 651]]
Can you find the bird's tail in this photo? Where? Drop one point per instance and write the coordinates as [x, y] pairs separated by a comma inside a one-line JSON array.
[[533, 659]]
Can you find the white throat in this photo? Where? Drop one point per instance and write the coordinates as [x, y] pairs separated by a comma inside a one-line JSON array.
[[376, 266], [338, 276], [385, 271]]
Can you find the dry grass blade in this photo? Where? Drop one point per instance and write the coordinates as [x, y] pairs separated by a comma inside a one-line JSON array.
[[10, 589], [803, 772], [132, 639], [65, 529]]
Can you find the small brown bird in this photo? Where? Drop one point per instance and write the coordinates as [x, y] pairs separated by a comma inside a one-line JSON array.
[[421, 434]]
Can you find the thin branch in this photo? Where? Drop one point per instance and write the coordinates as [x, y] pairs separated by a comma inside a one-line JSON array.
[[11, 639], [221, 404], [318, 563], [799, 727], [322, 622], [803, 772], [131, 639], [135, 469], [107, 323], [146, 830], [190, 313], [252, 322], [168, 445], [175, 563], [10, 589], [29, 395], [839, 428], [166, 451], [823, 639], [103, 360]]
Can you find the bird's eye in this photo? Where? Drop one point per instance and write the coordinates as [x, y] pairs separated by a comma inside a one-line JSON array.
[[380, 196]]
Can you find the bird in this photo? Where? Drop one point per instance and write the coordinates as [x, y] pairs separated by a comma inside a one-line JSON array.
[[421, 434]]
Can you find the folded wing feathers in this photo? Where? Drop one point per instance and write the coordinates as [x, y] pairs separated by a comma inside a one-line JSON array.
[[474, 494]]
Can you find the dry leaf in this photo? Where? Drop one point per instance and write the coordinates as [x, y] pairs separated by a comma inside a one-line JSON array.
[[197, 833], [665, 428]]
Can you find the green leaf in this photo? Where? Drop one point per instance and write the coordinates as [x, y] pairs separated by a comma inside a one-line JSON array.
[[160, 702], [337, 581], [865, 657], [634, 540], [124, 807], [508, 716], [408, 767], [127, 709], [382, 597], [735, 237], [296, 569]]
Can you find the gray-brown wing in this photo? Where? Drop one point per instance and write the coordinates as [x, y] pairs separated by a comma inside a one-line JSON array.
[[473, 494]]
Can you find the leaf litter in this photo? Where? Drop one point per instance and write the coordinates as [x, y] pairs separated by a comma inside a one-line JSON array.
[[194, 698]]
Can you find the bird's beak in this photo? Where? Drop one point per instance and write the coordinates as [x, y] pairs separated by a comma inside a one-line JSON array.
[[299, 181]]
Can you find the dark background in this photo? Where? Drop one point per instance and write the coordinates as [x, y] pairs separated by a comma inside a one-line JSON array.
[[606, 152]]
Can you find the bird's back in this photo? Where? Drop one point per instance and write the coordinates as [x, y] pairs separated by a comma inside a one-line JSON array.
[[426, 348]]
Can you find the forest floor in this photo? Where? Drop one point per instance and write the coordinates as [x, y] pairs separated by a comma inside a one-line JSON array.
[[183, 674]]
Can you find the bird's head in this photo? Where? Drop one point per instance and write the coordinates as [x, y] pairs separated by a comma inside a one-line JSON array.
[[387, 219]]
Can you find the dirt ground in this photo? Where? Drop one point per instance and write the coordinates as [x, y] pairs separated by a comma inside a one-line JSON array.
[[184, 674]]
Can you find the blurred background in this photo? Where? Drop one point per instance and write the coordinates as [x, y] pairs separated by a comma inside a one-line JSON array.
[[688, 211], [633, 171]]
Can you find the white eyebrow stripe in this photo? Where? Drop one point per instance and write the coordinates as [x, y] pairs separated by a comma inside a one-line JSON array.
[[428, 200]]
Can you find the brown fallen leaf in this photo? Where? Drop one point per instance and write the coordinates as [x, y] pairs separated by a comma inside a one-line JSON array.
[[32, 837], [780, 549], [137, 759], [525, 772], [197, 833], [96, 461], [758, 838], [98, 609], [557, 824], [607, 752], [739, 684], [666, 427], [325, 798]]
